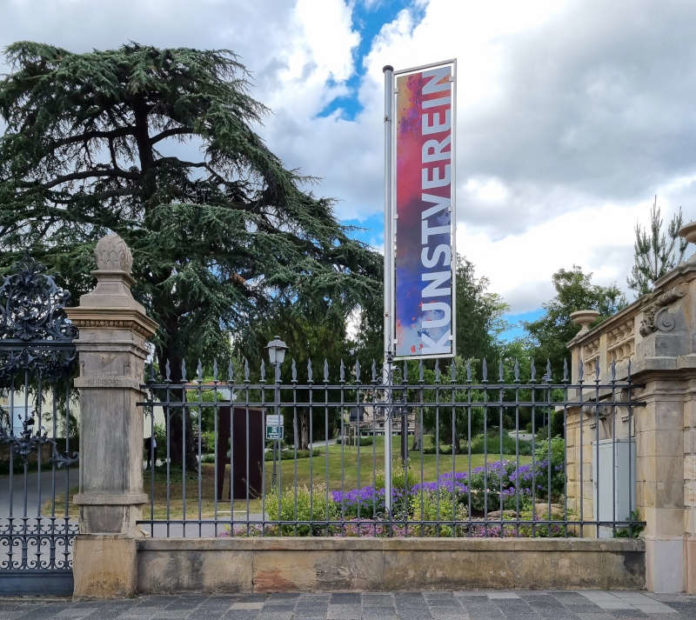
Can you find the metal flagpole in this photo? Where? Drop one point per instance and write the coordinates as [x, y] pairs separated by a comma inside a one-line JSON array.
[[388, 282]]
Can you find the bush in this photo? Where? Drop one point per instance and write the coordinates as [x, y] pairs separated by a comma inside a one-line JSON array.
[[439, 505], [557, 465], [289, 454], [310, 506], [493, 444], [364, 441]]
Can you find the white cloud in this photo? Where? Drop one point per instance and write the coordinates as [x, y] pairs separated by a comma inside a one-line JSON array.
[[572, 114]]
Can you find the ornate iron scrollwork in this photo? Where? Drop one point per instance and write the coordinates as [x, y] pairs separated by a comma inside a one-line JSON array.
[[35, 334]]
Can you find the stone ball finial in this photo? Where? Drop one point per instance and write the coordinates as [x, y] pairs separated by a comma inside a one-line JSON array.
[[112, 254], [584, 318]]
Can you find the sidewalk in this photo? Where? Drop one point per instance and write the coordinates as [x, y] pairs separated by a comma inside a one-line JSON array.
[[468, 605]]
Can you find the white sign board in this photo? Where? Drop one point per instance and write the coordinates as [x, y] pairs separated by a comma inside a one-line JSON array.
[[274, 420]]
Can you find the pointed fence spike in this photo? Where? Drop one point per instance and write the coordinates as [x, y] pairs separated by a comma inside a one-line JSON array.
[[581, 370], [437, 371], [374, 371], [565, 370], [613, 370], [183, 370], [596, 369], [628, 370], [420, 370], [199, 370], [215, 369], [263, 371], [532, 371], [326, 370], [357, 371], [342, 372], [246, 370], [293, 371], [453, 372], [468, 371], [167, 371], [310, 377], [548, 370], [501, 371], [152, 371], [404, 372], [484, 370], [516, 370], [230, 371]]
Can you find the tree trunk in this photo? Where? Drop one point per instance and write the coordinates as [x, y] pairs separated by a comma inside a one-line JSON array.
[[180, 431], [304, 430]]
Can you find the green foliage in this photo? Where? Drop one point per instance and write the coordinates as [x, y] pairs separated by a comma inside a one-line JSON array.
[[289, 455], [301, 504], [441, 506], [479, 315], [551, 333], [656, 251], [90, 147], [492, 444], [632, 531], [363, 441], [557, 453], [402, 482]]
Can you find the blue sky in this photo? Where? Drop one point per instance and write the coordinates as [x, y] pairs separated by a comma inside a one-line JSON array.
[[368, 18]]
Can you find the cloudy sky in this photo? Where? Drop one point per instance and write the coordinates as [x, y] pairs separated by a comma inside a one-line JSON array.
[[572, 114]]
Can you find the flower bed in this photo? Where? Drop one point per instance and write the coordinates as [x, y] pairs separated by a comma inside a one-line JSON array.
[[493, 501]]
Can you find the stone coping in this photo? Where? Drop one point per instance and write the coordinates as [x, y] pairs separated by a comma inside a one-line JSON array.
[[319, 543]]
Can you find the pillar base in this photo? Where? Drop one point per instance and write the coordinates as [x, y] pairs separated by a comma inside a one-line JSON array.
[[104, 566], [664, 564]]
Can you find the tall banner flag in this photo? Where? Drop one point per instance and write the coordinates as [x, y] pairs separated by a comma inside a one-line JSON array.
[[424, 255]]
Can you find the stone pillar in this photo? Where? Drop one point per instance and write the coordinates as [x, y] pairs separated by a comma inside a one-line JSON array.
[[112, 349], [657, 335]]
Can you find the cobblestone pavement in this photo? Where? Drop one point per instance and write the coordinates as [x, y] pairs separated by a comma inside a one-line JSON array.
[[473, 605]]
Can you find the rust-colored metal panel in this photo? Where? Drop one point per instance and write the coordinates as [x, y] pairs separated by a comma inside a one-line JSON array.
[[247, 442]]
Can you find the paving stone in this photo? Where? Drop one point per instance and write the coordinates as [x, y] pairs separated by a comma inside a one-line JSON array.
[[343, 612], [241, 615], [345, 598], [274, 615], [377, 600]]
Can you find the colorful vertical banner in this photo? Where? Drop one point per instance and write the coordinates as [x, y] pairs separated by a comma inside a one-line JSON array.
[[424, 252]]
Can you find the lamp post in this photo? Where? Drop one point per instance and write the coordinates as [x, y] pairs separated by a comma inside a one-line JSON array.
[[276, 354]]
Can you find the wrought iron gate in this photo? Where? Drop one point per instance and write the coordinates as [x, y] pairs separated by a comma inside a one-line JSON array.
[[38, 435]]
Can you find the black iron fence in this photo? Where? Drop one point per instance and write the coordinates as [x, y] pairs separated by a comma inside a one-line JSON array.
[[473, 453], [38, 436]]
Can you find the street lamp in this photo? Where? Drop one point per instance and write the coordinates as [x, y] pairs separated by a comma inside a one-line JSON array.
[[276, 351], [276, 354]]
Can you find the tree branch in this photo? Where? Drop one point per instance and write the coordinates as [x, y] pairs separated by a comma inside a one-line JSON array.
[[87, 174], [93, 135], [168, 133]]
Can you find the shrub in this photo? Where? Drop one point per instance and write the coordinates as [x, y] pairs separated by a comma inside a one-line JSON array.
[[510, 445], [364, 441], [440, 506], [557, 466], [289, 454], [309, 506]]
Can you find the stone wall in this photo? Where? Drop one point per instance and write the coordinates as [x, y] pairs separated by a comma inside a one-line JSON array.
[[326, 564], [654, 339]]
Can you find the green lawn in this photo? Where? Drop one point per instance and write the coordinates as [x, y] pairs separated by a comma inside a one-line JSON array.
[[343, 473]]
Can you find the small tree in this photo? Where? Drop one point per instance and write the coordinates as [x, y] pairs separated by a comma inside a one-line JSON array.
[[574, 291], [655, 251]]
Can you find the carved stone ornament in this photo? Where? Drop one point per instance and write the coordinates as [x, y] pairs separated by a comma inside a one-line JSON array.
[[655, 316], [112, 254]]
